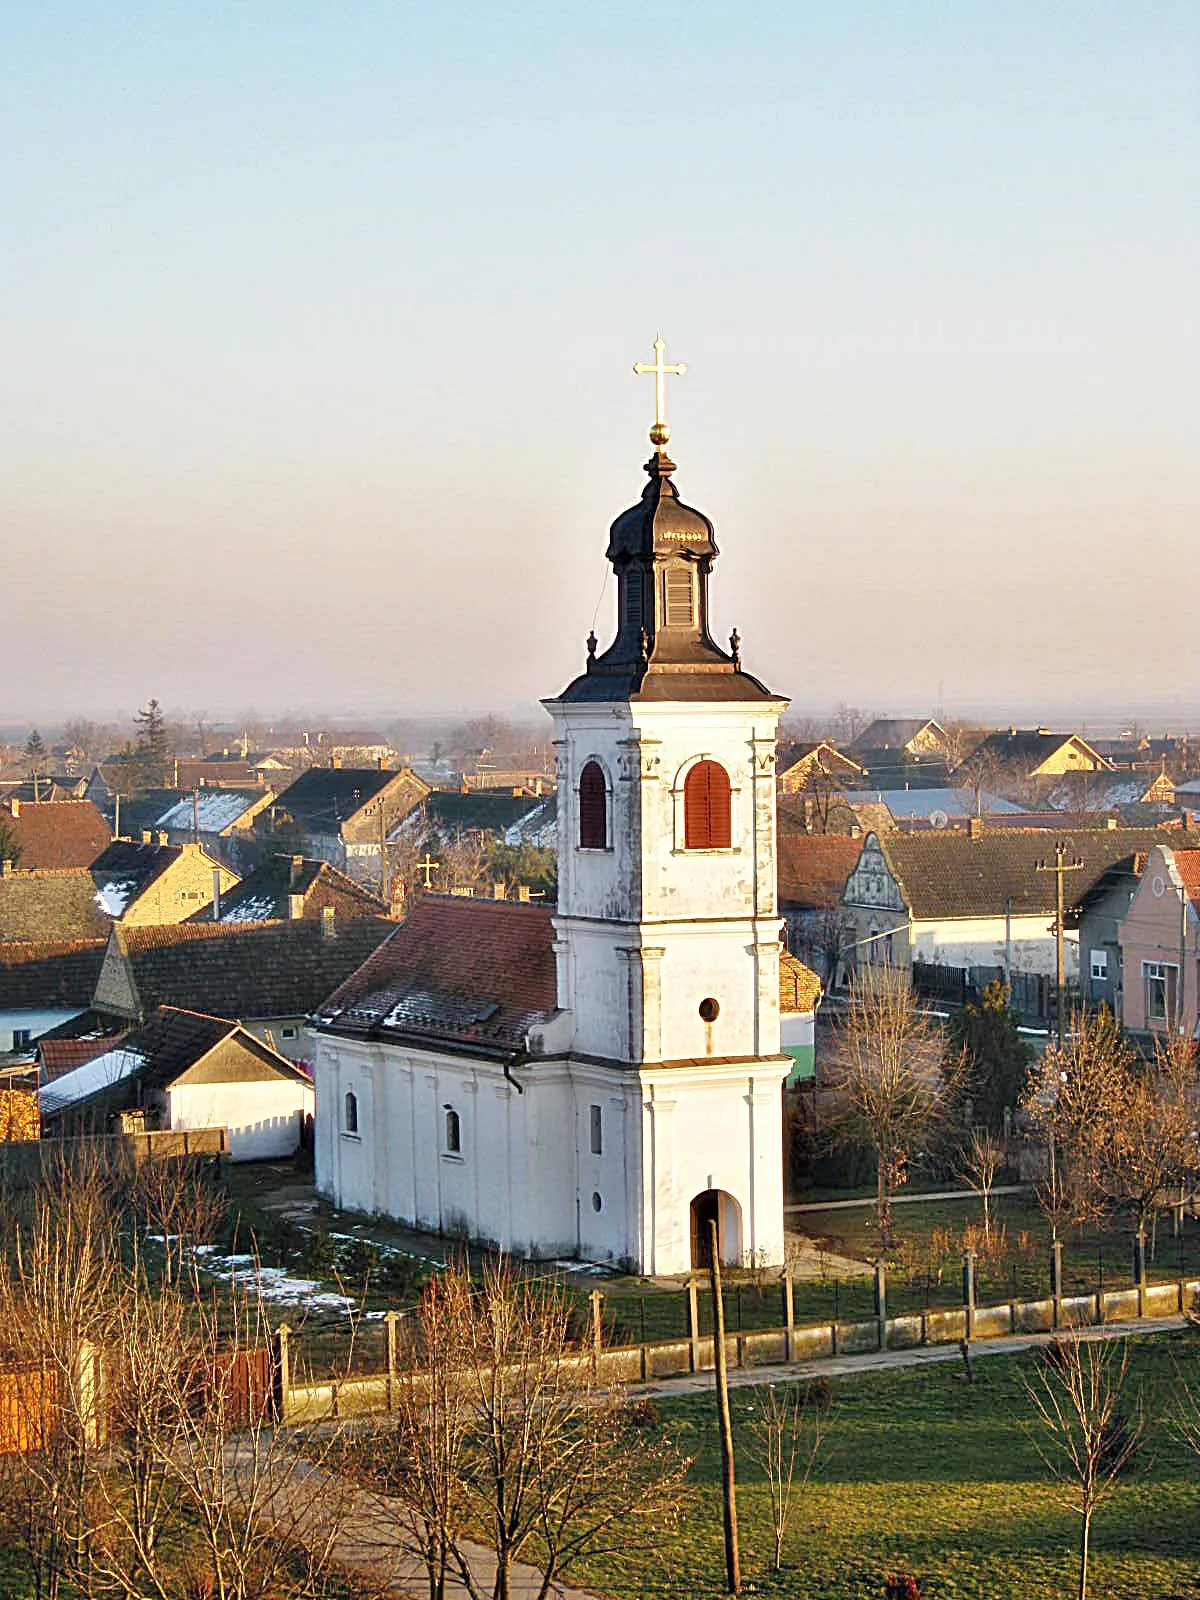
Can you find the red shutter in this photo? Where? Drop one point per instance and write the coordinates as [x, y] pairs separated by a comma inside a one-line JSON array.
[[593, 831], [706, 808]]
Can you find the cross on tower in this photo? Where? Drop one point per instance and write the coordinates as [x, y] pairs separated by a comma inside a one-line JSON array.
[[428, 867], [659, 433]]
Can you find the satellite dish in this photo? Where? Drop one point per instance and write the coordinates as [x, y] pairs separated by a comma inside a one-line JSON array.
[[939, 819]]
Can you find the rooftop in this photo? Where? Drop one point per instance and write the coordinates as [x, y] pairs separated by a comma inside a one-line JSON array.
[[55, 833]]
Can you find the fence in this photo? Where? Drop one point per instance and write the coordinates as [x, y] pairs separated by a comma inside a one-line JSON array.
[[24, 1162], [306, 1396]]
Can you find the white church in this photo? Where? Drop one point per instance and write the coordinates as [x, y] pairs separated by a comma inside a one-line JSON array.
[[600, 1081]]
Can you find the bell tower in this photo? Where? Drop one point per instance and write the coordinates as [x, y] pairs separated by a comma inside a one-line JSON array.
[[668, 931]]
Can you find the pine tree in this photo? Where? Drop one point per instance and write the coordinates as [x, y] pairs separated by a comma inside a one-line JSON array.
[[153, 746], [997, 1058]]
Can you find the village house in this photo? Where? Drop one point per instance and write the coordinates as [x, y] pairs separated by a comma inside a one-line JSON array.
[[900, 752], [182, 1071], [603, 1081], [1097, 914], [813, 870], [221, 820], [1159, 940], [1038, 753], [817, 764], [345, 815], [978, 904], [153, 882], [52, 833], [49, 903], [269, 975], [44, 983], [287, 888]]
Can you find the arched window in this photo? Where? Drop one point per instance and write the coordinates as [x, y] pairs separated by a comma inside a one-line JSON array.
[[706, 824], [453, 1133], [593, 823], [351, 1111]]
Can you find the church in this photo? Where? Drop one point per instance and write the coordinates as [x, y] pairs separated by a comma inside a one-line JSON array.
[[602, 1080]]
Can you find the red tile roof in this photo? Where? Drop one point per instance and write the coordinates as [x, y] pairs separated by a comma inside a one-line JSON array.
[[56, 833], [475, 973], [64, 1055], [1187, 863], [813, 867]]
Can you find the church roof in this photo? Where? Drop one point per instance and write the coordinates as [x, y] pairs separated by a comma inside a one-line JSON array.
[[457, 972]]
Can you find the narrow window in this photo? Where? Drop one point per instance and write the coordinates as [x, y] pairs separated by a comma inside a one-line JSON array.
[[597, 1130], [1159, 979], [679, 607], [593, 824], [706, 824], [351, 1111], [453, 1133], [1100, 966]]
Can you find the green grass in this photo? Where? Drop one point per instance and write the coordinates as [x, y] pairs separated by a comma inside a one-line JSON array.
[[929, 1474]]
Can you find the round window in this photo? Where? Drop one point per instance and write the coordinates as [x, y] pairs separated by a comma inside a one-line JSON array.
[[709, 1010], [597, 1202]]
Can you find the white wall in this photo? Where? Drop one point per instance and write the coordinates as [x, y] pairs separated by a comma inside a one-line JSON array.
[[263, 1118], [34, 1021], [980, 941]]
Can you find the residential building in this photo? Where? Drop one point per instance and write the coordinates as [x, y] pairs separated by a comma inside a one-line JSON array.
[[1039, 753], [182, 1071], [288, 888], [152, 882], [53, 903], [44, 983], [221, 820], [345, 815], [813, 871], [1159, 941], [53, 833], [805, 767]]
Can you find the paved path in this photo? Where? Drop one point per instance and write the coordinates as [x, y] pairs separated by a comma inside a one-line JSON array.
[[907, 1199]]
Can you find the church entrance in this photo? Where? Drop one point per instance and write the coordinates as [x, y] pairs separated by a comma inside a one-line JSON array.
[[714, 1205]]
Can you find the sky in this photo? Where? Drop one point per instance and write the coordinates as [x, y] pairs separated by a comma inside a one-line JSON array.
[[317, 325]]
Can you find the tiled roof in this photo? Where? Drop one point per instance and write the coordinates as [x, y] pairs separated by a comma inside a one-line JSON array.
[[56, 833], [1187, 864], [891, 733], [57, 1056], [799, 987], [473, 973], [265, 895], [449, 812], [265, 969], [53, 973], [209, 810], [169, 1043], [323, 797], [1031, 744], [50, 904], [813, 867], [953, 875]]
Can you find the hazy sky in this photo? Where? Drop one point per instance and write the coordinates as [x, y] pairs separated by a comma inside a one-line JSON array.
[[317, 321]]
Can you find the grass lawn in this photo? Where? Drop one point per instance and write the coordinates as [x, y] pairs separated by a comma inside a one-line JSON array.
[[929, 1474]]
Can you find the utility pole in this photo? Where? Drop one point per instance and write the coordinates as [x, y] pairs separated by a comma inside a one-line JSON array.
[[733, 1570], [1059, 867]]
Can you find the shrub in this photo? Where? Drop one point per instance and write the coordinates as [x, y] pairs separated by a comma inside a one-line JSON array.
[[817, 1394], [901, 1586], [319, 1256], [358, 1262], [644, 1413]]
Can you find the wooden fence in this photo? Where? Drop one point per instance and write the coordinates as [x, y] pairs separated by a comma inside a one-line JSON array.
[[25, 1162]]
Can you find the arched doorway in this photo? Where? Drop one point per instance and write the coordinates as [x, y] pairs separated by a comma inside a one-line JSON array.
[[714, 1205]]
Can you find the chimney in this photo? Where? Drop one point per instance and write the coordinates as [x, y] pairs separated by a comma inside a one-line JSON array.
[[974, 827], [162, 837], [147, 837], [381, 763], [1111, 824], [6, 867], [295, 870], [216, 894], [327, 929], [523, 893], [296, 908], [14, 805], [498, 891], [335, 762]]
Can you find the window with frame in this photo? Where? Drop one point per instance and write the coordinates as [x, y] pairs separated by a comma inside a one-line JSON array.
[[593, 808], [350, 1112], [596, 1130], [1158, 979], [707, 820], [453, 1132], [1099, 966], [22, 1038]]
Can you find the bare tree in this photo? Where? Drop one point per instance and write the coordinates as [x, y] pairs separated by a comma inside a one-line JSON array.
[[1088, 1437], [787, 1434], [891, 1077], [506, 1428], [979, 1162], [1151, 1147]]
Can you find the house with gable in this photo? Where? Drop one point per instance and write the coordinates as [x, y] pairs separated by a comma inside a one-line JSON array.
[[975, 902], [221, 820], [268, 975], [805, 766], [289, 888], [603, 1080], [150, 882], [1039, 753], [344, 815], [182, 1071], [1159, 940]]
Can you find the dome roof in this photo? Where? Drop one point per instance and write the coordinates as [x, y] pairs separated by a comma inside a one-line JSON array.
[[660, 523]]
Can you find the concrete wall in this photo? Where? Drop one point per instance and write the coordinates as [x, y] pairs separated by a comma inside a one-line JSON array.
[[263, 1119]]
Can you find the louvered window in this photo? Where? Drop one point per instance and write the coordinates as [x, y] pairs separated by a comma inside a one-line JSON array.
[[679, 595], [593, 823], [706, 809], [633, 598]]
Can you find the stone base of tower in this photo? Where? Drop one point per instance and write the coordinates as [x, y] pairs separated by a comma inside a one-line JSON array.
[[712, 1149]]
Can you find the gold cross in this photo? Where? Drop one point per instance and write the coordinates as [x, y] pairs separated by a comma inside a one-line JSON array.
[[659, 433], [428, 867]]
